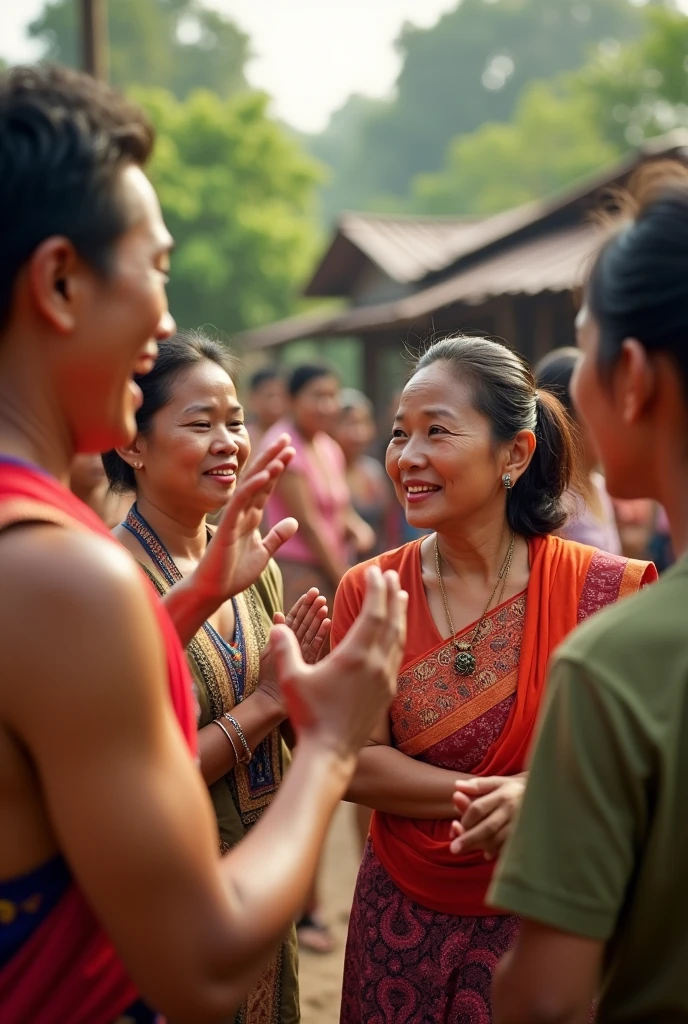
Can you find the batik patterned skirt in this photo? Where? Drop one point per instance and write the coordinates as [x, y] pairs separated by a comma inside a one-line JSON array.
[[406, 964]]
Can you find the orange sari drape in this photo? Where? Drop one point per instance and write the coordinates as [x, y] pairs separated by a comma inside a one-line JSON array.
[[567, 583]]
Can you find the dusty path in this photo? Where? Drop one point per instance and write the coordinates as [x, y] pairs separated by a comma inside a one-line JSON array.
[[321, 976]]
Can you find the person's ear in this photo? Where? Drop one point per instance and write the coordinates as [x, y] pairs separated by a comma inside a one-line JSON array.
[[518, 455], [635, 380], [133, 455], [56, 281]]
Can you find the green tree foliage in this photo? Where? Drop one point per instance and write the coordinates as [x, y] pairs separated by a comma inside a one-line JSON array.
[[552, 141], [641, 89], [467, 70], [570, 126], [237, 194], [172, 44]]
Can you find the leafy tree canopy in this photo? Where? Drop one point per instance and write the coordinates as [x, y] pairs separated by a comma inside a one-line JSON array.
[[641, 89], [237, 194], [570, 126], [552, 140], [172, 44], [467, 70]]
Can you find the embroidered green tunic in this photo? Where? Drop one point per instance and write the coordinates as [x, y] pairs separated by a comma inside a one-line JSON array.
[[224, 674]]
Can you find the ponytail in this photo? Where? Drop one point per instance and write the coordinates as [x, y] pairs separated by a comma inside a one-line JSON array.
[[537, 506]]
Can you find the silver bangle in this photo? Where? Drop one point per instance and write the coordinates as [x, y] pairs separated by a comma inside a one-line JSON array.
[[247, 755], [216, 721]]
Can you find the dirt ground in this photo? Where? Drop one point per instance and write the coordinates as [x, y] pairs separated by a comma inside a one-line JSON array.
[[321, 976]]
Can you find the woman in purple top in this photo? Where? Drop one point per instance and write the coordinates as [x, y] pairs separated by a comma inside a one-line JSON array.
[[592, 519]]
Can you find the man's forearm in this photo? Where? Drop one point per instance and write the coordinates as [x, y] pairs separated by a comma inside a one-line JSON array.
[[269, 874], [519, 997]]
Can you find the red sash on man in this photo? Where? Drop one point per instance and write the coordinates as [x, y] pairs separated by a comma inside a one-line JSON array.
[[68, 970]]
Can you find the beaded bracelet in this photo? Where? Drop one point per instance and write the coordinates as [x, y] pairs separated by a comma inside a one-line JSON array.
[[247, 755], [216, 721]]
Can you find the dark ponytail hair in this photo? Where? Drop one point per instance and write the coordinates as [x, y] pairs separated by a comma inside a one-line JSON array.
[[176, 354], [503, 390], [638, 286]]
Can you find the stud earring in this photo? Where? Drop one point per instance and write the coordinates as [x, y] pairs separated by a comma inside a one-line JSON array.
[[506, 480], [137, 465]]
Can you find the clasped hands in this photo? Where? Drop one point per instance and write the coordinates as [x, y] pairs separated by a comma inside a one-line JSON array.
[[487, 809]]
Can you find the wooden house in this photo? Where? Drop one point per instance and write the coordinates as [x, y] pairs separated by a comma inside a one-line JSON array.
[[515, 275]]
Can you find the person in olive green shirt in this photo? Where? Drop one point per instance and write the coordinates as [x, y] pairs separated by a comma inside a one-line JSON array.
[[600, 850], [597, 862]]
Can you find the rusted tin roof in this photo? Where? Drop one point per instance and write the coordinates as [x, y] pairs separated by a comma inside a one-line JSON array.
[[406, 248], [554, 263], [542, 246]]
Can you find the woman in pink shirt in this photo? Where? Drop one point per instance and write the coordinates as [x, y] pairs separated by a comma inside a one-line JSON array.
[[314, 489]]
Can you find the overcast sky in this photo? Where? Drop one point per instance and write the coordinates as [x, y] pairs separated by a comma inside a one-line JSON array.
[[309, 54]]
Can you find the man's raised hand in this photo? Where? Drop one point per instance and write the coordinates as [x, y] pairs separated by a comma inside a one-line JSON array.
[[337, 702], [238, 554]]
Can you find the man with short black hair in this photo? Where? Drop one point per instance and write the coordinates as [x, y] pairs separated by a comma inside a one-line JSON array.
[[114, 898]]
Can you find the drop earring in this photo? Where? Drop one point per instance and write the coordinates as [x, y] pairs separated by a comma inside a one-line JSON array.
[[506, 480]]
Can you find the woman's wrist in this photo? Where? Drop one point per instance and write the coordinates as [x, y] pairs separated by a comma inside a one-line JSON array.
[[263, 708]]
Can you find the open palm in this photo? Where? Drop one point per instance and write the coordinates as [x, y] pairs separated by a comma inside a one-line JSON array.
[[238, 554]]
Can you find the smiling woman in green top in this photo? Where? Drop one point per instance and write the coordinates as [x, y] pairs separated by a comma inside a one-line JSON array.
[[598, 862]]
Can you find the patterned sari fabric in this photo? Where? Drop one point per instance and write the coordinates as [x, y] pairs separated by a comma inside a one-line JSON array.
[[422, 945], [226, 673]]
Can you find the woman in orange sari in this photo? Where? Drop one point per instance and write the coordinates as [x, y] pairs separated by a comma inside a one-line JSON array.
[[483, 460]]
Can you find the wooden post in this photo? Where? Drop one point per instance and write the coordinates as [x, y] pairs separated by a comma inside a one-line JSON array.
[[94, 36]]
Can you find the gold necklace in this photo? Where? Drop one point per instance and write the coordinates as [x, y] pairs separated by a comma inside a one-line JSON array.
[[465, 661]]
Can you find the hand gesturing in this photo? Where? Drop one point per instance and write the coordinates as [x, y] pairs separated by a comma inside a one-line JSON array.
[[310, 625], [338, 701], [238, 554]]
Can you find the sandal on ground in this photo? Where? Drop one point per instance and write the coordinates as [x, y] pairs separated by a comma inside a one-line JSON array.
[[314, 935]]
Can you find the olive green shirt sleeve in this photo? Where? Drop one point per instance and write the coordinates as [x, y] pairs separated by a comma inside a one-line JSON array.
[[572, 854]]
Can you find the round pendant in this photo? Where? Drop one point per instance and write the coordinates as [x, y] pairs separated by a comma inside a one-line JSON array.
[[464, 663]]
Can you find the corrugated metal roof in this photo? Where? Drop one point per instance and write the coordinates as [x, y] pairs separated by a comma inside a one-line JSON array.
[[407, 248], [293, 328], [555, 263], [542, 246]]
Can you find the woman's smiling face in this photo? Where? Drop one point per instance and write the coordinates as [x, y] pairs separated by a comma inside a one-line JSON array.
[[442, 458], [197, 444]]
